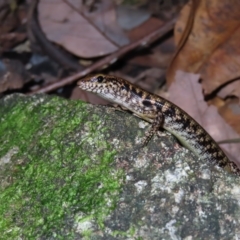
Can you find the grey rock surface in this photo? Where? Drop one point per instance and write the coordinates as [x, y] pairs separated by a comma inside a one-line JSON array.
[[70, 170]]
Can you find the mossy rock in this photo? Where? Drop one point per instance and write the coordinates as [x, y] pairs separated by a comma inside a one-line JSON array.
[[70, 170]]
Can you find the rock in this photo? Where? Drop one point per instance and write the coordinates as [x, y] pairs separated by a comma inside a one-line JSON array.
[[70, 170]]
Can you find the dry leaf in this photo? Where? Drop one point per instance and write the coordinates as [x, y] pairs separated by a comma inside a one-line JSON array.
[[130, 18], [11, 17], [13, 75], [105, 18], [186, 92], [232, 89], [224, 64], [158, 56], [65, 25], [212, 47], [230, 111]]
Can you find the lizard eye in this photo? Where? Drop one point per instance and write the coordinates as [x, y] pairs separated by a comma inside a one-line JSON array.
[[100, 79]]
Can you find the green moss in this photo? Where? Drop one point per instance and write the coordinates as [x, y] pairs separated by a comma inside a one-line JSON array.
[[55, 174]]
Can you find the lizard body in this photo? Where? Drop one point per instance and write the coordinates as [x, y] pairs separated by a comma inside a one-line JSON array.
[[160, 113]]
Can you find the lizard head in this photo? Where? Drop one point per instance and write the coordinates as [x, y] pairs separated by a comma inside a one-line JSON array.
[[93, 83], [120, 92], [109, 87]]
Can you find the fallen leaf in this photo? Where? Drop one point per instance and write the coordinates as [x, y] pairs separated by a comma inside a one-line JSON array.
[[130, 18], [212, 47], [106, 19], [159, 55], [13, 74], [230, 111], [67, 25], [12, 16], [8, 40], [224, 64], [231, 89], [8, 18], [145, 28], [186, 92]]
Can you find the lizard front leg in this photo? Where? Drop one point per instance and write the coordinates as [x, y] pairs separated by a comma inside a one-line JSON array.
[[155, 125]]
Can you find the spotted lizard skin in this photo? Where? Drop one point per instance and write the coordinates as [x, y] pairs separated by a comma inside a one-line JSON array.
[[162, 114]]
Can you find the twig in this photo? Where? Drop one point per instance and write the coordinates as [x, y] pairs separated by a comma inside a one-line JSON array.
[[110, 59]]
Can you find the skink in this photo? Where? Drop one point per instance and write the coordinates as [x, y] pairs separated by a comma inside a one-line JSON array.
[[161, 113]]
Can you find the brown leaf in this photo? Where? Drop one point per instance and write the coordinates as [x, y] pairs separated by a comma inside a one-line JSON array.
[[160, 55], [212, 46], [186, 92], [8, 40], [105, 18], [12, 74], [230, 111], [8, 18], [232, 89], [130, 18], [11, 17], [66, 25]]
